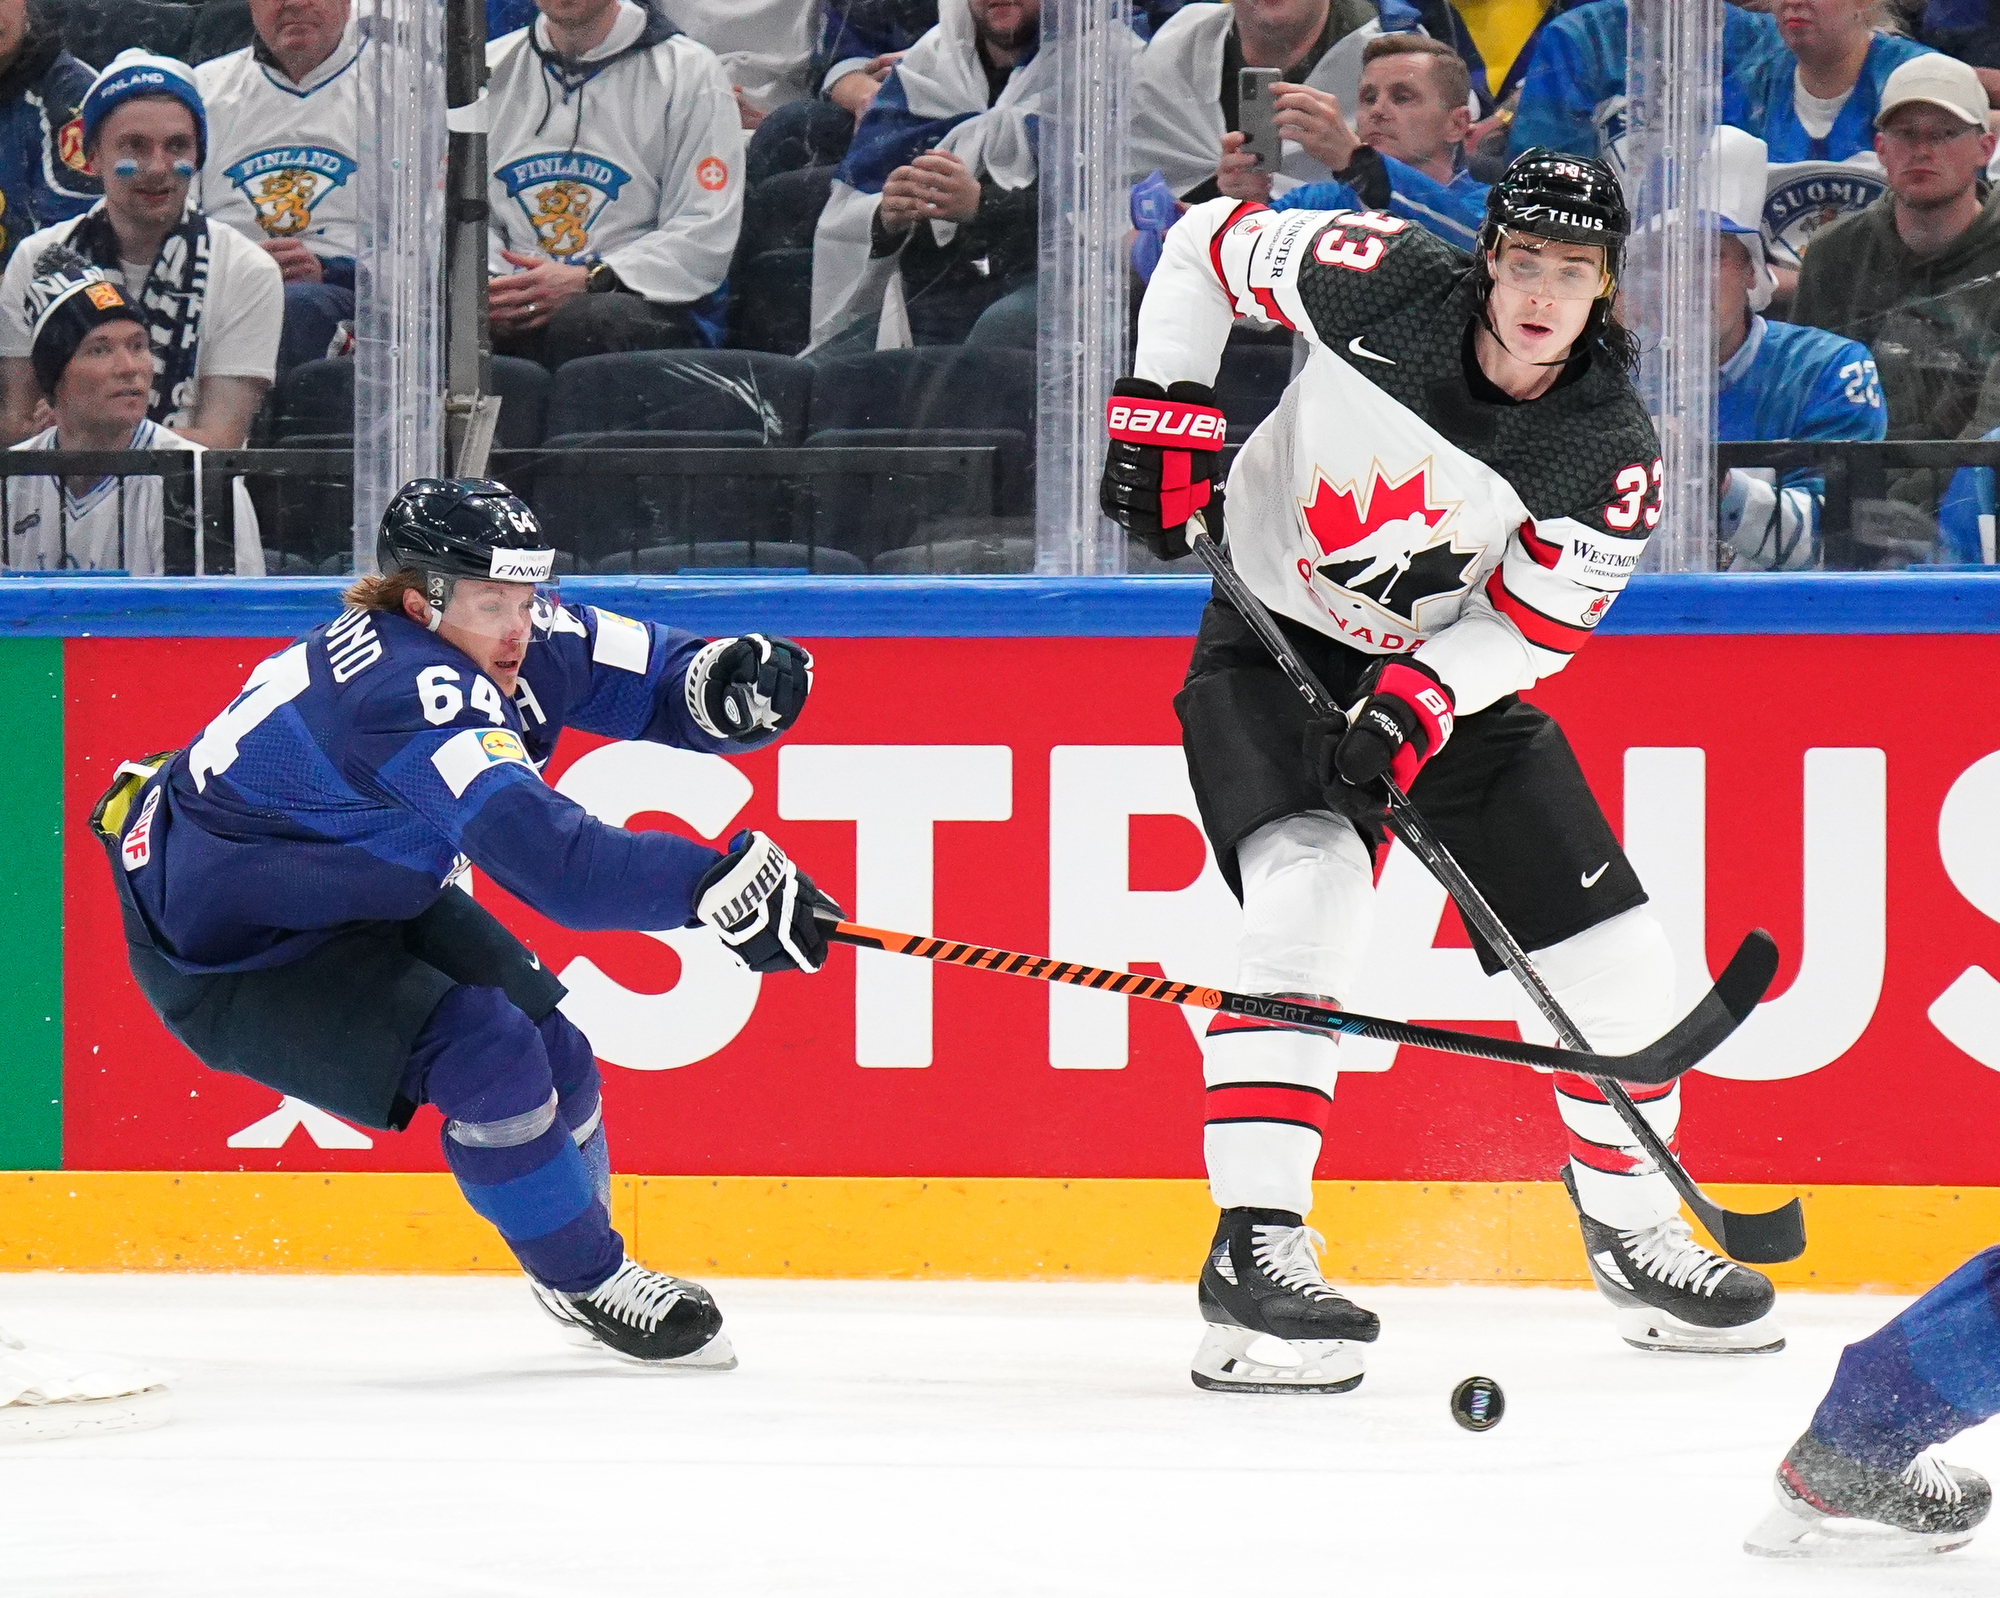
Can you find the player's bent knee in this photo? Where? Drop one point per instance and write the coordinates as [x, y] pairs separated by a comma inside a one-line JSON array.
[[1308, 905], [479, 1059], [573, 1067], [1616, 980]]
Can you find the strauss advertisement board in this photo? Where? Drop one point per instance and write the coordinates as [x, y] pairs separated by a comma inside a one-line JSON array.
[[1030, 793]]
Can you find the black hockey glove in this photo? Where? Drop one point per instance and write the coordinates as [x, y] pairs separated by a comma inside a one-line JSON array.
[[1164, 462], [1404, 719], [763, 907], [746, 688]]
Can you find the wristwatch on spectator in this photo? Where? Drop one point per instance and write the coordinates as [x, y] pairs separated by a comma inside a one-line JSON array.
[[602, 280]]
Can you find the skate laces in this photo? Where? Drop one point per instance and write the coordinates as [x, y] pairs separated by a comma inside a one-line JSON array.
[[1289, 1256], [1668, 1253], [637, 1296], [1927, 1476]]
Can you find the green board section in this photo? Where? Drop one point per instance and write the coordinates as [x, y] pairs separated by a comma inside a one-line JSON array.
[[31, 911]]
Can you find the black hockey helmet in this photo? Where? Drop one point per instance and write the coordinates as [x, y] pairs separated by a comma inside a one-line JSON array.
[[466, 527], [1553, 195]]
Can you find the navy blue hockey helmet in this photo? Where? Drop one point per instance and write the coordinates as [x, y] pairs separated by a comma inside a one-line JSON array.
[[1555, 195], [463, 527]]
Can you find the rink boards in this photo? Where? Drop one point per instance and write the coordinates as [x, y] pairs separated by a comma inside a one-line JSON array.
[[999, 760]]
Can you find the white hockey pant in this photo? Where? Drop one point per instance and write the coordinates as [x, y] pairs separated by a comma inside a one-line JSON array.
[[1308, 910]]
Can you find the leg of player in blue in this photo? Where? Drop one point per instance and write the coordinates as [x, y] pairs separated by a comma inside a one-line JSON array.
[[1859, 1482], [514, 1095]]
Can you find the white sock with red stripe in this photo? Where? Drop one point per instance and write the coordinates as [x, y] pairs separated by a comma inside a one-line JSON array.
[[1308, 906], [1616, 981]]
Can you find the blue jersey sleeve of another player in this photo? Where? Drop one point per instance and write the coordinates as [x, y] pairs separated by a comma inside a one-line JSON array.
[[434, 735], [608, 674]]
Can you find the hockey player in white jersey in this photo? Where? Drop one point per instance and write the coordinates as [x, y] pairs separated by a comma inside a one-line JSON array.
[[617, 189], [1475, 411]]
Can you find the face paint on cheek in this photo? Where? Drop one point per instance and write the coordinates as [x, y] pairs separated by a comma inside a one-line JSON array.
[[125, 167], [184, 170]]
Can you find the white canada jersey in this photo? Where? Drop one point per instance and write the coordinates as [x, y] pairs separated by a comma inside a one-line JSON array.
[[282, 155], [635, 160], [1383, 502]]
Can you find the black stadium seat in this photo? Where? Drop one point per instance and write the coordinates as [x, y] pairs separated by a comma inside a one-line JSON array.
[[937, 396], [682, 391]]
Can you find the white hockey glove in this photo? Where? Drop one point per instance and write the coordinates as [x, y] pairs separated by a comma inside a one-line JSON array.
[[764, 907], [744, 688]]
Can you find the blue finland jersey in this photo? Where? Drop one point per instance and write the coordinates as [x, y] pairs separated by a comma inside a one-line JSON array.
[[358, 763], [1787, 381], [1770, 113], [1573, 94], [1453, 211]]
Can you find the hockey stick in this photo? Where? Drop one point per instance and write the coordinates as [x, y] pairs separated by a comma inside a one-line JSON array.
[[1720, 1012], [1758, 1239]]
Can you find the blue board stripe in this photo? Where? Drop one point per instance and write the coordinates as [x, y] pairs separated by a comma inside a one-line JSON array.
[[984, 607]]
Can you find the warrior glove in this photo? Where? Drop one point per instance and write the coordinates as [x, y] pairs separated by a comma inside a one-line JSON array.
[[764, 907], [1404, 719], [1164, 463], [746, 688]]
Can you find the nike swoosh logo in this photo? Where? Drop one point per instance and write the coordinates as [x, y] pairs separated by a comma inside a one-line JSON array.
[[1354, 348], [535, 960], [1590, 881]]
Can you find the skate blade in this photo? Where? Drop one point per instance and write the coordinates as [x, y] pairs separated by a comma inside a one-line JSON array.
[[1656, 1332], [85, 1417], [1222, 1364], [1789, 1532]]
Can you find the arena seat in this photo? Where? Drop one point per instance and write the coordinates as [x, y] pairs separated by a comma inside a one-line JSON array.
[[770, 302], [672, 391], [731, 556], [936, 396], [1251, 381]]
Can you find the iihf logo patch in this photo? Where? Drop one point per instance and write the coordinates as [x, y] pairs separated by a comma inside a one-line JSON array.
[[285, 184], [562, 195]]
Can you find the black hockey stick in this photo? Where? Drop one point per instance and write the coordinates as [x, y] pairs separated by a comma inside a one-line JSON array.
[[1721, 1010], [1757, 1239]]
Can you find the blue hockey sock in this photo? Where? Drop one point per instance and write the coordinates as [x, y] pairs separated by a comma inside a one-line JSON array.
[[574, 1068], [484, 1065], [1929, 1374]]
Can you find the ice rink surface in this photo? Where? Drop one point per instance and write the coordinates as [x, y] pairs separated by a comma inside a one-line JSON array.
[[388, 1436]]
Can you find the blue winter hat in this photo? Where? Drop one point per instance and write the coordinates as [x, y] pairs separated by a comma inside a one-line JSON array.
[[133, 73]]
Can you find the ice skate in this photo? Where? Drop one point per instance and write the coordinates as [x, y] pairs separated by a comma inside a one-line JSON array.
[[45, 1394], [1675, 1296], [1262, 1279], [646, 1316], [1833, 1507]]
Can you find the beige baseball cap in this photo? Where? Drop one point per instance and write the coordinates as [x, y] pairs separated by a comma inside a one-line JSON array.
[[1935, 80]]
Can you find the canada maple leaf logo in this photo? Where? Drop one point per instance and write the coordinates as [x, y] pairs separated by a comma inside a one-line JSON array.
[[1387, 538]]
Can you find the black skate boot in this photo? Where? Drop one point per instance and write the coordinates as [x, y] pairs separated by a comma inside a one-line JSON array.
[[647, 1316], [1262, 1278], [1833, 1507], [1675, 1296]]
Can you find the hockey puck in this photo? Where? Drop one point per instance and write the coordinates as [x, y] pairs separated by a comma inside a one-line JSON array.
[[1477, 1403]]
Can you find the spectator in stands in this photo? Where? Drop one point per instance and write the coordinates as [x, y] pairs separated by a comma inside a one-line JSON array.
[[765, 47], [282, 146], [1916, 276], [94, 366], [1184, 102], [1404, 157], [859, 45], [1776, 380], [1817, 99], [213, 301], [1573, 89], [44, 175], [617, 189], [933, 217]]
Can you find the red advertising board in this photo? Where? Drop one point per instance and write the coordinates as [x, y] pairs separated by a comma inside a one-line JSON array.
[[1029, 793]]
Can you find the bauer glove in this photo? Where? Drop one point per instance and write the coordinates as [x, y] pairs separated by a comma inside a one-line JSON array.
[[764, 907], [1164, 463], [746, 688], [1405, 717]]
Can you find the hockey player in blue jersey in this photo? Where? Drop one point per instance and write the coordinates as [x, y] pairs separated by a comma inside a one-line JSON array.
[[1573, 94], [1860, 1483], [1777, 380], [287, 879]]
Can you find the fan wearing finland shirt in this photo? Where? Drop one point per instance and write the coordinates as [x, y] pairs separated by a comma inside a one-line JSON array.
[[617, 183], [282, 145]]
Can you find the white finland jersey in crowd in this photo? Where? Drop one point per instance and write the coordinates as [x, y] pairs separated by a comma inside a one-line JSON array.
[[281, 155], [50, 528], [1350, 509], [640, 165]]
